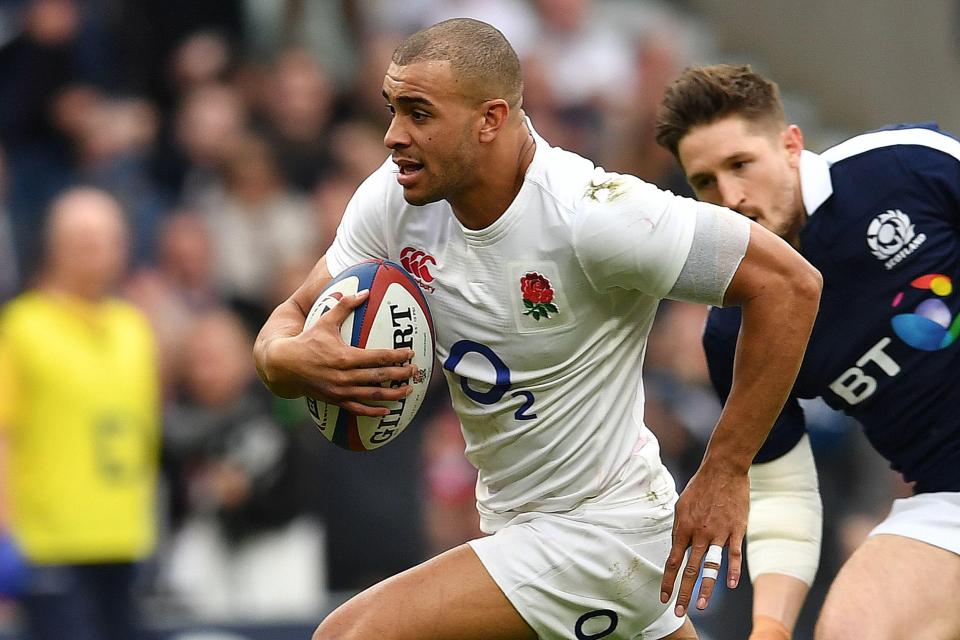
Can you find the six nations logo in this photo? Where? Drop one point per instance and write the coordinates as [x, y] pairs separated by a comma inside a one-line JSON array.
[[418, 263], [891, 237]]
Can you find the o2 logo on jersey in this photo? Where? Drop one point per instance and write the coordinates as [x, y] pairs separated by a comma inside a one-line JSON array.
[[891, 237], [502, 378], [931, 326]]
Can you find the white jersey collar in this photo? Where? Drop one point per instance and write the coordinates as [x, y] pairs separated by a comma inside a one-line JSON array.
[[815, 183]]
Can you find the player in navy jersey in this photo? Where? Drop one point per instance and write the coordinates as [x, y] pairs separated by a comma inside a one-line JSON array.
[[544, 276], [879, 215]]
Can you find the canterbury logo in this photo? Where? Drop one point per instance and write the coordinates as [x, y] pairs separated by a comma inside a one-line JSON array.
[[417, 263]]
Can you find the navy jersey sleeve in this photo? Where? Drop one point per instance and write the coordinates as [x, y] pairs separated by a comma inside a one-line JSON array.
[[720, 344], [930, 157], [937, 168]]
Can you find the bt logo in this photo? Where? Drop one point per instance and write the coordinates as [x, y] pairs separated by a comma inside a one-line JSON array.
[[931, 326]]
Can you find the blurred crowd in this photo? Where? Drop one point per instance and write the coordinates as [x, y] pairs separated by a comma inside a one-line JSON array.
[[233, 133]]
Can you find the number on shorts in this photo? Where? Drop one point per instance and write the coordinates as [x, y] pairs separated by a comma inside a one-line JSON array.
[[612, 620]]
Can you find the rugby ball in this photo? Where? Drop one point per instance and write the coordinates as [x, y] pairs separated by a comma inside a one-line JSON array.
[[394, 316]]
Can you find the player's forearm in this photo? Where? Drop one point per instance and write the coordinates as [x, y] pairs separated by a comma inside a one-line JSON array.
[[783, 538], [778, 316], [276, 363], [286, 321]]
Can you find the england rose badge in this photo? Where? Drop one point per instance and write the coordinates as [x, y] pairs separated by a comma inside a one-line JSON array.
[[537, 296]]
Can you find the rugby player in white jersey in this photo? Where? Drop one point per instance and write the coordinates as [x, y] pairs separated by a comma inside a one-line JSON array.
[[544, 276]]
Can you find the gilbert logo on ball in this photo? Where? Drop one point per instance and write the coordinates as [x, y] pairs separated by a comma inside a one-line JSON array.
[[394, 316]]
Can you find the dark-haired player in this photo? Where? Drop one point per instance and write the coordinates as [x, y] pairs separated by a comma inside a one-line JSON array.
[[879, 215]]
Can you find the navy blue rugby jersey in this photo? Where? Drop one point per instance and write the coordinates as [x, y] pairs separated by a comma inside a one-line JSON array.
[[885, 233]]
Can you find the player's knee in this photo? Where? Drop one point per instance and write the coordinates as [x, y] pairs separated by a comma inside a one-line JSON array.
[[339, 625], [834, 625], [828, 629], [325, 632]]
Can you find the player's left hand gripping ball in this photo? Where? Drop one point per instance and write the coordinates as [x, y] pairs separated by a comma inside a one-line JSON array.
[[394, 316]]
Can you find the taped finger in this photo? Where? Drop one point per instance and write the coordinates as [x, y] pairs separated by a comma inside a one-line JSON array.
[[714, 555]]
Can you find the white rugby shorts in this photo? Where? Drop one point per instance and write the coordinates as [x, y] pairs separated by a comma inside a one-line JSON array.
[[933, 518], [590, 574]]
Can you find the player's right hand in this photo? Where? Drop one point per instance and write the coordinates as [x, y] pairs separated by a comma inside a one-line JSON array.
[[711, 510], [317, 363]]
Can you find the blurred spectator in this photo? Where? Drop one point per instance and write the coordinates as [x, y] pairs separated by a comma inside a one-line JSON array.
[[177, 289], [152, 36], [630, 130], [9, 274], [450, 503], [356, 494], [206, 123], [573, 37], [328, 201], [257, 226], [201, 59], [113, 151], [329, 31], [297, 108], [681, 406], [358, 149], [50, 46], [36, 63], [514, 18], [243, 551], [363, 100], [185, 259], [79, 414]]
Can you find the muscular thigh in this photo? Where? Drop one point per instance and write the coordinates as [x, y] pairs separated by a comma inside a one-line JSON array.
[[894, 587], [589, 577], [450, 597]]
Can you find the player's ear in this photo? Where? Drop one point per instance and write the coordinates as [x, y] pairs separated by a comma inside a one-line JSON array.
[[792, 138], [494, 114]]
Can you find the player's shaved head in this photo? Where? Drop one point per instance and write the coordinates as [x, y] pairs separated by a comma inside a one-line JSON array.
[[86, 242], [479, 55]]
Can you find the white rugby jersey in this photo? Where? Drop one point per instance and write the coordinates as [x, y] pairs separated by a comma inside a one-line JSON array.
[[541, 320]]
